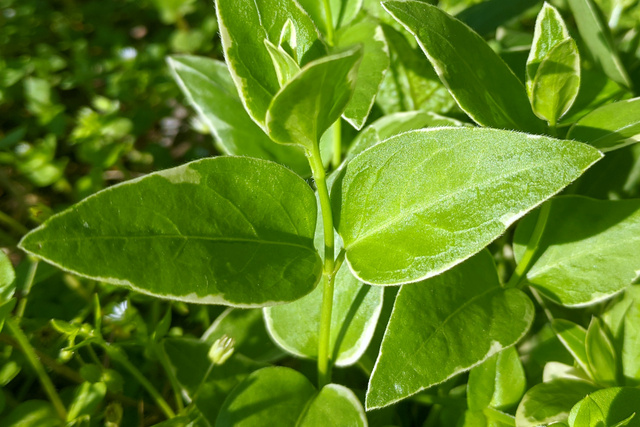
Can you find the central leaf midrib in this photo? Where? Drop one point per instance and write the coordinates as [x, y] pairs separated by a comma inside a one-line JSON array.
[[182, 237], [424, 207]]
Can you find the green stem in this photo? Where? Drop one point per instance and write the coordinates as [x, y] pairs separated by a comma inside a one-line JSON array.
[[13, 224], [26, 288], [532, 246], [329, 18], [337, 144], [162, 358], [116, 355], [31, 356], [319, 175]]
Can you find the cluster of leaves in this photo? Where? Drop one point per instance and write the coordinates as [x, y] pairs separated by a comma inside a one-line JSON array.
[[451, 221]]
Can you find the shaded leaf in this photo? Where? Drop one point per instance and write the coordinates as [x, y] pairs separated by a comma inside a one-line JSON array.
[[615, 407], [601, 354]]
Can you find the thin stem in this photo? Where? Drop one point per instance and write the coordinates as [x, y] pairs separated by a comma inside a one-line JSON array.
[[532, 246], [329, 18], [319, 175], [26, 288], [162, 358], [337, 144], [540, 301], [13, 224], [31, 356], [116, 355]]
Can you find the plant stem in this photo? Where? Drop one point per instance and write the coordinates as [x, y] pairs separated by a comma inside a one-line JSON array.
[[532, 246], [162, 358], [319, 175], [31, 356], [26, 288], [337, 144], [329, 18], [115, 354]]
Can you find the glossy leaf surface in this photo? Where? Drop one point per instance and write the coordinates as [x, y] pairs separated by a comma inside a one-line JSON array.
[[227, 230], [482, 84], [315, 98], [209, 88], [588, 250], [557, 82], [284, 397], [375, 62], [448, 192], [596, 35], [422, 348], [611, 126], [551, 402], [616, 407], [550, 31], [356, 308], [244, 25]]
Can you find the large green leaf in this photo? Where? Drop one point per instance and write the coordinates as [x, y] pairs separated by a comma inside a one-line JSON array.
[[375, 62], [423, 201], [596, 35], [342, 13], [244, 25], [209, 88], [588, 251], [356, 308], [284, 397], [499, 382], [557, 82], [444, 326], [615, 407], [610, 127], [550, 31], [551, 402], [227, 230], [482, 84], [315, 98]]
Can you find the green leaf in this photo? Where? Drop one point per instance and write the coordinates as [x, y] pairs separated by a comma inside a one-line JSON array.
[[86, 399], [601, 354], [375, 62], [610, 127], [356, 308], [206, 385], [623, 320], [209, 88], [342, 13], [551, 402], [434, 215], [227, 230], [244, 25], [609, 407], [499, 382], [573, 337], [422, 348], [550, 31], [248, 331], [286, 67], [394, 124], [7, 278], [284, 397], [489, 93], [32, 413], [596, 36], [587, 252], [313, 100], [557, 82]]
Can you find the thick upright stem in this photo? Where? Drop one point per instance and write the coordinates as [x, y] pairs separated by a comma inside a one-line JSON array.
[[532, 246], [319, 175]]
